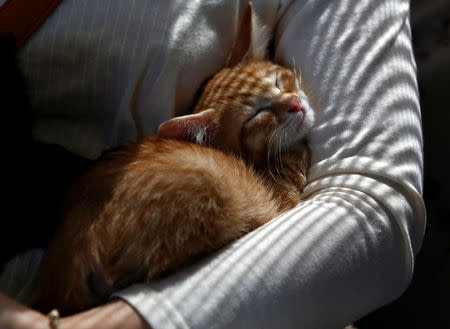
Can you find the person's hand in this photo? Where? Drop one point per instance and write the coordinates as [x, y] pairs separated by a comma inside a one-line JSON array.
[[115, 314], [17, 316]]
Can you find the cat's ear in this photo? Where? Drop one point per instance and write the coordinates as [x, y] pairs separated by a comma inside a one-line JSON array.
[[251, 39], [197, 128]]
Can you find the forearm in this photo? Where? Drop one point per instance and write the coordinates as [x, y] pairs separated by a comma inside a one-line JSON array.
[[116, 314]]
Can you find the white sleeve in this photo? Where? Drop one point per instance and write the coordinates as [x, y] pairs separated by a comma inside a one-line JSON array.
[[350, 247]]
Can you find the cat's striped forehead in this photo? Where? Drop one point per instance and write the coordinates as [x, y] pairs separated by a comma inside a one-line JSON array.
[[247, 85]]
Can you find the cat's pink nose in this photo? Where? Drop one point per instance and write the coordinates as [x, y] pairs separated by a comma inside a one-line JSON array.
[[293, 105], [290, 104]]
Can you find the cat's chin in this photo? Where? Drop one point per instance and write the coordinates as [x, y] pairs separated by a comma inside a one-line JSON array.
[[308, 121], [303, 123], [299, 120], [299, 136]]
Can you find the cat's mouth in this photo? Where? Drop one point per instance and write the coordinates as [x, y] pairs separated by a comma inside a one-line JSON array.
[[300, 119], [295, 112]]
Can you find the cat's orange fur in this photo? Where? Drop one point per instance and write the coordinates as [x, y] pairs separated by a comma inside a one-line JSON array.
[[164, 201], [151, 208]]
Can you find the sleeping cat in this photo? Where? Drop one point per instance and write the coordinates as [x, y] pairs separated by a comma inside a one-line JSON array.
[[206, 180]]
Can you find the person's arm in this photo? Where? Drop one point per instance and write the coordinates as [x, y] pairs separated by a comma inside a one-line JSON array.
[[115, 314], [14, 315], [349, 248]]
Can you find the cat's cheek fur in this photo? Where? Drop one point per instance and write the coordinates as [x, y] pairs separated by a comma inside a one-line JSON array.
[[257, 135]]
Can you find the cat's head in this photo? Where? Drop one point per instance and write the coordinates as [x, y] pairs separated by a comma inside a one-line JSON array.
[[252, 107]]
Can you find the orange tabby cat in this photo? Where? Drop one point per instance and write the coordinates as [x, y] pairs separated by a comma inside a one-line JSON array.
[[206, 180]]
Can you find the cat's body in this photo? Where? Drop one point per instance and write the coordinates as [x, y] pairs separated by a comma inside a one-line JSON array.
[[164, 201], [150, 208]]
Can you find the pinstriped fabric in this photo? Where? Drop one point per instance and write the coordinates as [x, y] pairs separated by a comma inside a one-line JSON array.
[[348, 77], [365, 70], [83, 67]]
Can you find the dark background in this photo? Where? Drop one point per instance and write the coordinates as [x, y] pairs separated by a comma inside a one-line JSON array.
[[34, 175]]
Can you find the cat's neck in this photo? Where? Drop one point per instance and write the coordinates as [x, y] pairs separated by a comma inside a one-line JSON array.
[[286, 176]]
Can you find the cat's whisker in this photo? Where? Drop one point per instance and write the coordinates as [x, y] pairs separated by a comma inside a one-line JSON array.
[[269, 147], [281, 143], [272, 144], [278, 162], [297, 73], [280, 140], [286, 140], [294, 68]]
